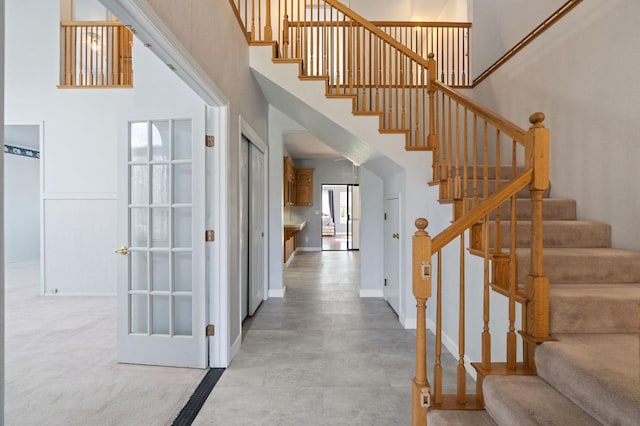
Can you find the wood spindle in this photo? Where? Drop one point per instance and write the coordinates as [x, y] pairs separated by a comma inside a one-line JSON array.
[[461, 371], [476, 201], [513, 284], [457, 192], [268, 31], [253, 20], [498, 226], [450, 178], [438, 343], [465, 162], [432, 140], [486, 310], [485, 141]]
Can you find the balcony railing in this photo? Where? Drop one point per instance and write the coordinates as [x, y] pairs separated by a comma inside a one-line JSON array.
[[95, 54]]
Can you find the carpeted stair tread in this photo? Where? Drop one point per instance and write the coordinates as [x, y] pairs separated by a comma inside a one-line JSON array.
[[558, 233], [459, 418], [529, 401], [594, 308], [584, 265], [598, 372], [552, 209]]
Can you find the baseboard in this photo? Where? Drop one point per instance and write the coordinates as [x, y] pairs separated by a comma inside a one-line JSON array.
[[408, 323], [371, 293], [277, 292], [309, 249], [236, 347], [452, 347], [290, 258]]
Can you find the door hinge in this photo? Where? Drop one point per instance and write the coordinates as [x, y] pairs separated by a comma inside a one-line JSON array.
[[385, 282], [385, 216], [209, 235], [209, 141], [210, 330]]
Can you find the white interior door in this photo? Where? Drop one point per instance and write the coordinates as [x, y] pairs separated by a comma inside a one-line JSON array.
[[244, 210], [392, 253], [161, 285], [257, 190]]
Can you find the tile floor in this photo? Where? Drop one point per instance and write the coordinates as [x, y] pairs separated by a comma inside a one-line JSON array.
[[320, 356]]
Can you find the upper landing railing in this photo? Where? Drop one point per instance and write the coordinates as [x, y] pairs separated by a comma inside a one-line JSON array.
[[95, 54]]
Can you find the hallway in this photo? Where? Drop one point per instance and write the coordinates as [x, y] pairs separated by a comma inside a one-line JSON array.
[[320, 356]]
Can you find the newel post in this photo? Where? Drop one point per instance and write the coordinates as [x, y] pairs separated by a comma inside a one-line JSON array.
[[536, 329], [432, 139], [421, 261]]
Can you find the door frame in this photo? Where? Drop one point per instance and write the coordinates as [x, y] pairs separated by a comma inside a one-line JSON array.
[[252, 136], [388, 197]]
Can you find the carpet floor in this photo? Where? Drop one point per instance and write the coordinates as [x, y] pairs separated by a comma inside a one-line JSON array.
[[61, 364]]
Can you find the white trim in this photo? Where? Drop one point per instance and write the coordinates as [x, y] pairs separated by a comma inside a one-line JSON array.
[[277, 292], [220, 299], [150, 29], [309, 249], [42, 242], [235, 348], [252, 136], [78, 196], [452, 348], [408, 323], [79, 294], [364, 293]]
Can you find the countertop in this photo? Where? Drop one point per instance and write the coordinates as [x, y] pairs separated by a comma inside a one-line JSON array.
[[294, 226]]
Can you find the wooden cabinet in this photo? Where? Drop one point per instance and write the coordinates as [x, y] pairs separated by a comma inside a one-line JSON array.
[[289, 182], [297, 185], [304, 187]]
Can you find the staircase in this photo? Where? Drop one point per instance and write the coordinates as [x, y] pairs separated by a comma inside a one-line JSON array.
[[580, 297], [590, 373]]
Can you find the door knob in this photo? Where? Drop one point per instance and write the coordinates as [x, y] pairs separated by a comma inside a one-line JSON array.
[[122, 250], [396, 236]]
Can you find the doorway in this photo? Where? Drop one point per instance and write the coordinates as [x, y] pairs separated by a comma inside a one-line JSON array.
[[340, 217], [22, 193], [252, 241]]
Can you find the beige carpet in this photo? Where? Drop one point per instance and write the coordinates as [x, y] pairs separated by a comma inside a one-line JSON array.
[[61, 364]]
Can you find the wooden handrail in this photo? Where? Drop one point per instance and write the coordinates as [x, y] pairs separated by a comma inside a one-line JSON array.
[[506, 126], [400, 24], [379, 33], [544, 26], [486, 206]]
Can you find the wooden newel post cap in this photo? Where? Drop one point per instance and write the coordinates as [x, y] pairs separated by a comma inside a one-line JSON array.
[[431, 55], [536, 119], [421, 224]]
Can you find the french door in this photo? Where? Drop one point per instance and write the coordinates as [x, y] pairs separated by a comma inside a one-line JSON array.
[[161, 274]]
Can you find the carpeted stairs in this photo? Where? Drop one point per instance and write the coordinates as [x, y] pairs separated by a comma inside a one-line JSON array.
[[591, 374]]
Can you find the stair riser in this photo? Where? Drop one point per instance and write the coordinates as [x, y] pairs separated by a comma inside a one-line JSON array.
[[552, 209], [570, 234], [592, 315], [448, 192], [583, 269]]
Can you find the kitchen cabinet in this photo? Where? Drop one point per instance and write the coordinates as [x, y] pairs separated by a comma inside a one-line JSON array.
[[304, 187]]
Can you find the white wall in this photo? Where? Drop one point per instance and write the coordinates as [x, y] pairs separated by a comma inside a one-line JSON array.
[[279, 123], [568, 73], [371, 231], [22, 207], [411, 10], [499, 24], [80, 144]]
